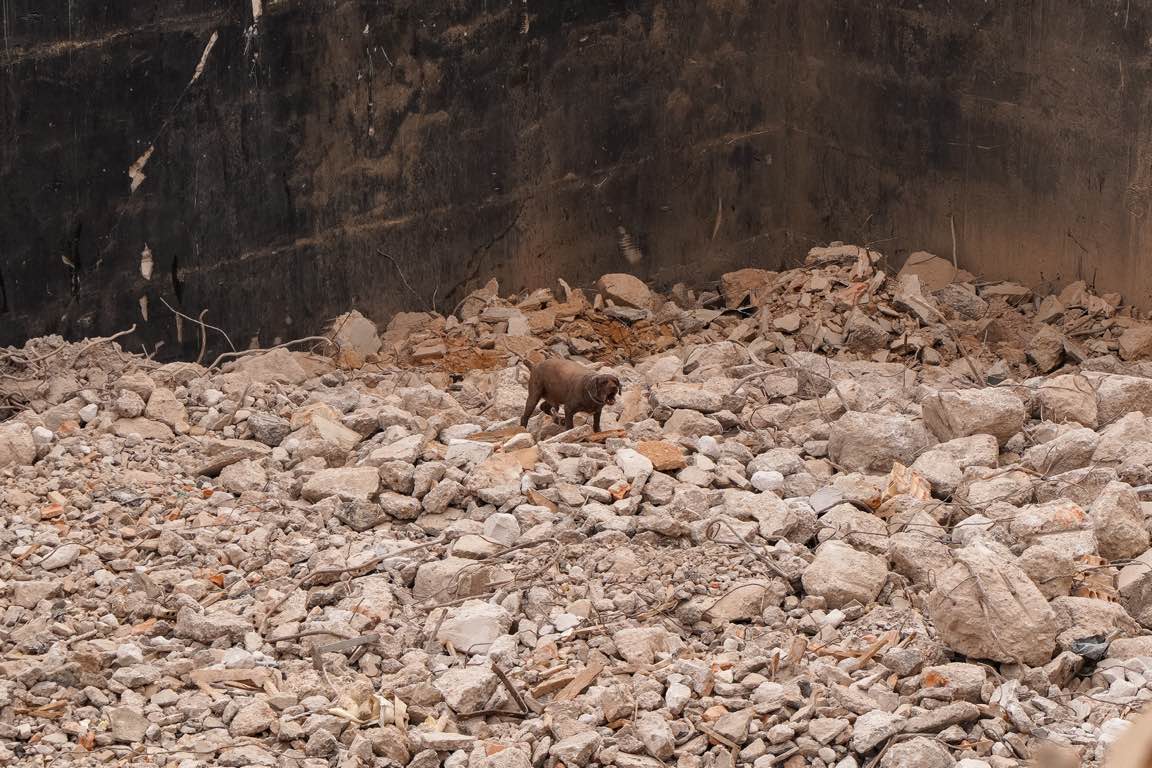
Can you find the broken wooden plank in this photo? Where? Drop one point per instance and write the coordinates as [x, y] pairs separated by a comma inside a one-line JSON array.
[[582, 680]]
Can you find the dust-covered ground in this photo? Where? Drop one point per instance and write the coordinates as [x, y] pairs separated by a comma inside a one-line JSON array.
[[838, 517]]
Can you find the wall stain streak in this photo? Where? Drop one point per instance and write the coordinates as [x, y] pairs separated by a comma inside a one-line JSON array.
[[513, 140]]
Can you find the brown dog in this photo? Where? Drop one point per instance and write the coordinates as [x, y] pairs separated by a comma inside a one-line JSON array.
[[566, 383]]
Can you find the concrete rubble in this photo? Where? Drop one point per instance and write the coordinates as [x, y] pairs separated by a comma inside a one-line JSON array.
[[838, 517]]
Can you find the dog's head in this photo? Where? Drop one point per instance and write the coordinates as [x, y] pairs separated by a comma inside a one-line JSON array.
[[606, 387]]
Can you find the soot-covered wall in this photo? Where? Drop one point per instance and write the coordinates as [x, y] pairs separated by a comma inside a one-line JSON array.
[[326, 147]]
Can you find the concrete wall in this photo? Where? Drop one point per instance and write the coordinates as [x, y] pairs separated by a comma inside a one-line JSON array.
[[469, 138]]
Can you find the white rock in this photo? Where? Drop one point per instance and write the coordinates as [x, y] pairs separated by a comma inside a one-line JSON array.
[[1069, 450], [677, 697], [1067, 398], [163, 406], [766, 480], [474, 626], [60, 557], [920, 752], [641, 645], [406, 449], [1117, 395], [633, 463], [42, 436], [626, 290], [746, 600], [496, 480], [1110, 732], [467, 453], [247, 475], [467, 689], [399, 505], [566, 621], [128, 725], [940, 469], [89, 413], [253, 719], [28, 594]]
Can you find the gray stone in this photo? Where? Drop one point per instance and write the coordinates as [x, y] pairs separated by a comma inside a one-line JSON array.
[[1067, 398], [129, 405], [641, 645], [746, 600], [1068, 451], [163, 406], [246, 475], [267, 428], [935, 720], [205, 628], [28, 594], [965, 680]]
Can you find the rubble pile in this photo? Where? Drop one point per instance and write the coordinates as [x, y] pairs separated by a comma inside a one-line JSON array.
[[836, 518]]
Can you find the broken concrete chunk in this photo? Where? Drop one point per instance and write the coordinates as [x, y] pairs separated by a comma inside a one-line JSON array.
[[984, 606], [934, 272], [736, 287], [467, 689], [626, 290], [472, 627], [1068, 398], [841, 575], [17, 446], [871, 442], [642, 645], [345, 483], [1118, 520], [356, 338], [1136, 342], [1046, 350], [960, 413]]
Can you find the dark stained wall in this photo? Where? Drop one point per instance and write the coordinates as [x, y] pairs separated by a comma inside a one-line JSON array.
[[329, 147]]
